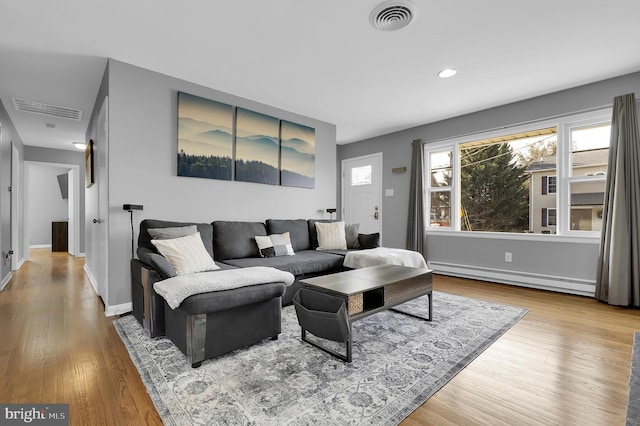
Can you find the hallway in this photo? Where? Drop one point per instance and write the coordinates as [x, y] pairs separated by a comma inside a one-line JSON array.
[[58, 347]]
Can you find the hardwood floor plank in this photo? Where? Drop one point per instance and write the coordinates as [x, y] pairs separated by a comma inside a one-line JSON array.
[[566, 362]]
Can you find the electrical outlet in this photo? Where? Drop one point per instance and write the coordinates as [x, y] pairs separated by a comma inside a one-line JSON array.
[[508, 257]]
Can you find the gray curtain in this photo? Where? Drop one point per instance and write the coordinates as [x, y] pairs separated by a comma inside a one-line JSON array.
[[415, 222], [618, 276]]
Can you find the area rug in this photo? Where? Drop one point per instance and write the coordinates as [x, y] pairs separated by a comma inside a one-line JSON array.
[[633, 408], [398, 363]]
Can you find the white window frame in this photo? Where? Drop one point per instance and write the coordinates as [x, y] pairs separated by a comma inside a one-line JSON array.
[[564, 126], [454, 220]]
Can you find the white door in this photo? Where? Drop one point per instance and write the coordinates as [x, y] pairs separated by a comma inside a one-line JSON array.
[[97, 206], [362, 192], [16, 218]]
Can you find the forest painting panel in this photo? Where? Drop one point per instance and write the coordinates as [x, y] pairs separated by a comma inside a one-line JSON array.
[[297, 155], [257, 147], [205, 141]]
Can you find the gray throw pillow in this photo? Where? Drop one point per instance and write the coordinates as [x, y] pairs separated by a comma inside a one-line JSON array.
[[171, 233], [351, 233]]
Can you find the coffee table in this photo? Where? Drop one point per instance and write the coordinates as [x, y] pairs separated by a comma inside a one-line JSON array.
[[367, 291]]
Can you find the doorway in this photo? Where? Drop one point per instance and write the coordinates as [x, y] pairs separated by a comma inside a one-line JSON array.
[[362, 192]]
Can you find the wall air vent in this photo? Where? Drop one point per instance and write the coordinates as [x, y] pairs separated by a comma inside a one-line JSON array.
[[392, 15], [47, 109]]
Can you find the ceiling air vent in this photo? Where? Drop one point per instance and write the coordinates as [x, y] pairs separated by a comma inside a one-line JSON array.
[[392, 15], [47, 109]]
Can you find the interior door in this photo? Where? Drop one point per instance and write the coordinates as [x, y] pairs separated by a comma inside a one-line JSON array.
[[16, 189], [362, 192], [97, 204]]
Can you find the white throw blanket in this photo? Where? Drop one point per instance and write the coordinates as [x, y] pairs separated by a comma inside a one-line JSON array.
[[384, 256], [176, 289]]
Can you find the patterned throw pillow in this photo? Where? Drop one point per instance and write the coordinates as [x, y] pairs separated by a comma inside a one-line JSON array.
[[275, 245], [187, 254], [331, 236]]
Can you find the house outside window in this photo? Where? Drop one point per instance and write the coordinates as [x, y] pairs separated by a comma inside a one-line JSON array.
[[545, 178]]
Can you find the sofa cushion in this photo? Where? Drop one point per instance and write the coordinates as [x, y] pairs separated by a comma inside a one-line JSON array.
[[274, 245], [331, 236], [186, 254], [236, 240], [303, 262], [144, 239], [297, 228]]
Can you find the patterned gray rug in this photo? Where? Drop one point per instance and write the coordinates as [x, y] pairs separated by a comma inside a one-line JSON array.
[[633, 409], [398, 363]]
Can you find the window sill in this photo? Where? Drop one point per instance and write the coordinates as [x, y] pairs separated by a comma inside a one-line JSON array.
[[550, 238]]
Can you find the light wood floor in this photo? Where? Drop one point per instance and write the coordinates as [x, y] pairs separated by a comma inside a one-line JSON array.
[[566, 362]]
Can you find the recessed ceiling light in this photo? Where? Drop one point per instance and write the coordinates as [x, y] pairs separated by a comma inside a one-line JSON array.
[[80, 145], [447, 72]]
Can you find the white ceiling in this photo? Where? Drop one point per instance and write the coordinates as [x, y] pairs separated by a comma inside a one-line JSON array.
[[321, 59]]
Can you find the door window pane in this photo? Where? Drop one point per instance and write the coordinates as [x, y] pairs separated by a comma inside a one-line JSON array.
[[361, 175]]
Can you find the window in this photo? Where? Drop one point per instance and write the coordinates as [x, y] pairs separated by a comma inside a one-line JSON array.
[[549, 185], [439, 187], [549, 218], [547, 178], [361, 175]]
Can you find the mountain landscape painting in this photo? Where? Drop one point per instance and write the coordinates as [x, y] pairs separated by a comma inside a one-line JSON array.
[[257, 147], [205, 138], [297, 155]]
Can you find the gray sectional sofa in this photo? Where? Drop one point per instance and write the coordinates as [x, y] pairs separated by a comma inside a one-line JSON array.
[[238, 317]]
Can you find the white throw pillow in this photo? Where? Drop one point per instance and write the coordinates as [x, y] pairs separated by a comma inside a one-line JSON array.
[[331, 236], [186, 254]]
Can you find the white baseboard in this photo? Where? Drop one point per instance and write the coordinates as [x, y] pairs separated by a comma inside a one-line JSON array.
[[38, 246], [81, 255], [92, 280], [6, 280], [118, 309], [569, 285]]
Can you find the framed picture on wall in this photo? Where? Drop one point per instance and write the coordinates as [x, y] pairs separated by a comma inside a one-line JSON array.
[[205, 141], [88, 158], [297, 155], [257, 147]]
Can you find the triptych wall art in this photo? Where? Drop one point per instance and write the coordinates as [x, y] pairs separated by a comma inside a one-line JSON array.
[[219, 141]]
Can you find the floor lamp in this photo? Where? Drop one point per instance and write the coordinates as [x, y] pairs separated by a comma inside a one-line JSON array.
[[130, 208]]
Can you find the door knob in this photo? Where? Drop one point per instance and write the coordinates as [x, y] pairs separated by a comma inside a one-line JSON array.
[[97, 220]]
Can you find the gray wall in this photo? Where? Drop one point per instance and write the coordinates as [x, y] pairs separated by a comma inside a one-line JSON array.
[[142, 167], [45, 202], [8, 135], [561, 259], [58, 157]]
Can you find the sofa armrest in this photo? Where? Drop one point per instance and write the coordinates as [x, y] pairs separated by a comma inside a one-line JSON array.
[[157, 262], [147, 304]]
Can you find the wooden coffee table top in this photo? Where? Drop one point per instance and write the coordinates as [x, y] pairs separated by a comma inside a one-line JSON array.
[[365, 279]]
